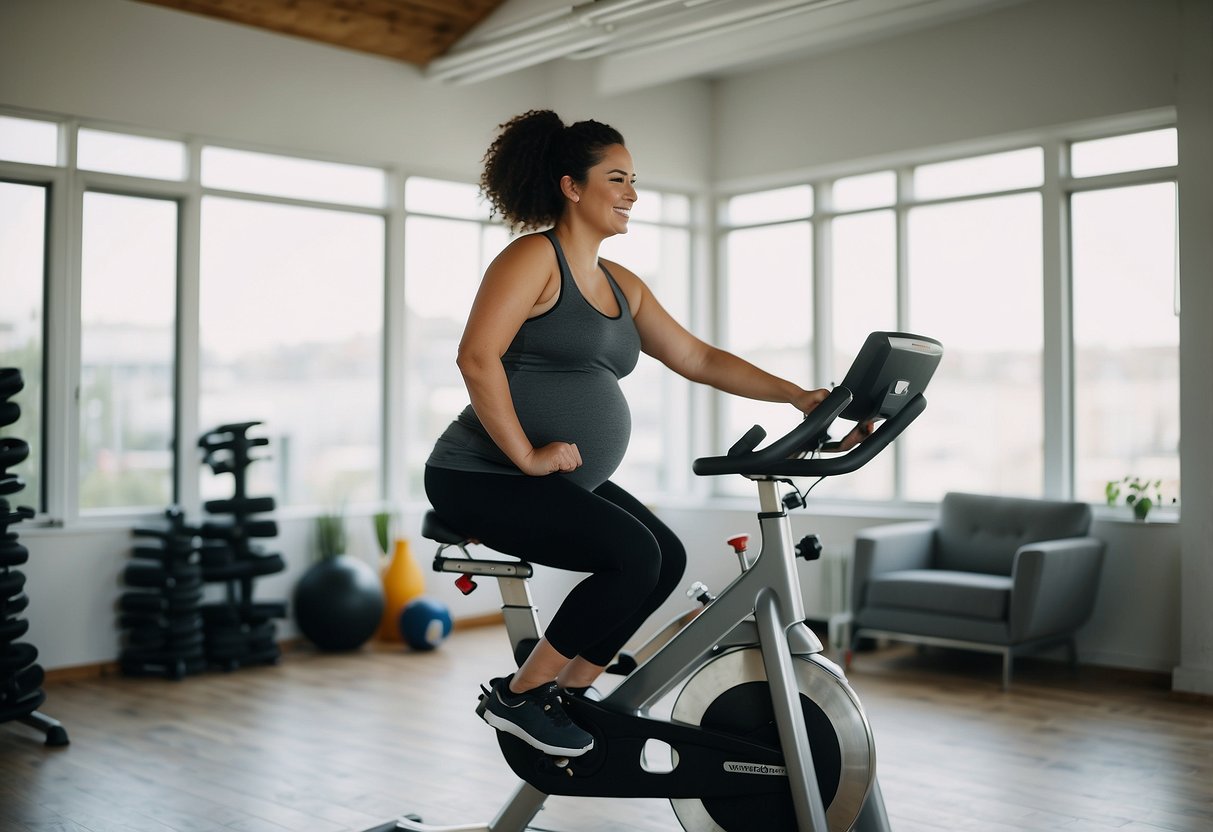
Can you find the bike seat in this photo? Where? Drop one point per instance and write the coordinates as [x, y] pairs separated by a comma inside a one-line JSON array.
[[436, 529]]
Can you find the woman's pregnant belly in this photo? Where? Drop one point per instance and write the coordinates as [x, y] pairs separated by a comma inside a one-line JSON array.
[[586, 408]]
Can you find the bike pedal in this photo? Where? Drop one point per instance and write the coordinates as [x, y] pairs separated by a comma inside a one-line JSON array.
[[554, 765]]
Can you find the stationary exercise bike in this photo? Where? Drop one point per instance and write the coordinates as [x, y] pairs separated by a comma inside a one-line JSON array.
[[765, 733]]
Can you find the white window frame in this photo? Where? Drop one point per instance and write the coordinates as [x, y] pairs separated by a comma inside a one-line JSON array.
[[1057, 354], [67, 186]]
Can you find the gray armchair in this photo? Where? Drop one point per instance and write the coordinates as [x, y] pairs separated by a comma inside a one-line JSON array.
[[997, 574]]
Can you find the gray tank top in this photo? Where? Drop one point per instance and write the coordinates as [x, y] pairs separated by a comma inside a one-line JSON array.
[[563, 369]]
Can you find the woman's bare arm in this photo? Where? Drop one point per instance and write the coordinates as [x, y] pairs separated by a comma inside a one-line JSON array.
[[518, 280]]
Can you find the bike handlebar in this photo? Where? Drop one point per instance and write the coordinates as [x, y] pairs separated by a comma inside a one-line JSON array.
[[782, 457]]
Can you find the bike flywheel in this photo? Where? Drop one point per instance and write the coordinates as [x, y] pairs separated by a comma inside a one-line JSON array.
[[731, 694]]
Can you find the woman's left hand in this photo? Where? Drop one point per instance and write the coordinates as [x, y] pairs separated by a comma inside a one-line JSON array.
[[860, 432], [806, 400]]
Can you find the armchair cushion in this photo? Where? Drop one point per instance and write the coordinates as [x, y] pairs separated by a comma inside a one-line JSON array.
[[981, 533], [943, 592]]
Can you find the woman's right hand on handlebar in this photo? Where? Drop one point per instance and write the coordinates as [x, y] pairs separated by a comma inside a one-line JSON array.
[[555, 457]]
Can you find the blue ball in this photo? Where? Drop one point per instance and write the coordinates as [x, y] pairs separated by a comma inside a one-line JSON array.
[[424, 623]]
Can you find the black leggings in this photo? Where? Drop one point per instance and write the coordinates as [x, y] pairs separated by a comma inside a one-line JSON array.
[[634, 559]]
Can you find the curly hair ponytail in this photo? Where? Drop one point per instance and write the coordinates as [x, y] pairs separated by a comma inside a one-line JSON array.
[[524, 164]]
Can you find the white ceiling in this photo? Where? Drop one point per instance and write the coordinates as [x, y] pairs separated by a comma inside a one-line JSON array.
[[639, 43]]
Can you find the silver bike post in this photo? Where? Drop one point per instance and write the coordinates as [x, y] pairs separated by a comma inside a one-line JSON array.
[[518, 610], [773, 621]]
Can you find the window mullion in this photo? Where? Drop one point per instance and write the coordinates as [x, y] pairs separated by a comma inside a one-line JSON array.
[[60, 326], [64, 415], [188, 381], [395, 464], [905, 195], [1057, 357], [823, 295]]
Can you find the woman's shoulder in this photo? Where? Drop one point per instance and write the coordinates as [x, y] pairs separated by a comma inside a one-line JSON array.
[[527, 250], [528, 265], [529, 247]]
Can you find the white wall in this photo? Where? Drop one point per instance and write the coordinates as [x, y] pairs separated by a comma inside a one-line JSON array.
[[1195, 94], [1013, 70], [1018, 69], [74, 580]]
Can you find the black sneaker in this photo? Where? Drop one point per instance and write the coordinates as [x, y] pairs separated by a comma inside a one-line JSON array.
[[536, 717], [589, 693]]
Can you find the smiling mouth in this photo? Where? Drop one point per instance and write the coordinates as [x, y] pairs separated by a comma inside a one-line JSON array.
[[625, 212]]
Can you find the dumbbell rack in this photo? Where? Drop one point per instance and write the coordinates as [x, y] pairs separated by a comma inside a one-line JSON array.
[[20, 676], [160, 614], [238, 630]]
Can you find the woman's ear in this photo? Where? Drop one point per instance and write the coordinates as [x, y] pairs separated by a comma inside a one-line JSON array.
[[569, 188]]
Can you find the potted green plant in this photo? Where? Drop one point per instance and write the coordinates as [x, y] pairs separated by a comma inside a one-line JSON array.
[[330, 535], [1140, 495], [384, 521]]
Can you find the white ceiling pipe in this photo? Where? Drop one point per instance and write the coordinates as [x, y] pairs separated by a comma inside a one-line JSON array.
[[518, 57], [486, 51], [575, 19], [592, 32], [630, 10], [497, 69], [643, 36], [481, 32]]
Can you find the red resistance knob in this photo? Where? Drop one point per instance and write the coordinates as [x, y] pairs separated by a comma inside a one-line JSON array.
[[465, 584], [739, 543]]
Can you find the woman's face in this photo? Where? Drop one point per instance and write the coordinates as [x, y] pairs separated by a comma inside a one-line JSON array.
[[605, 199]]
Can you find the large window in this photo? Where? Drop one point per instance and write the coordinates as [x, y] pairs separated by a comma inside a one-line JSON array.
[[975, 285], [290, 321], [24, 232], [1126, 338], [958, 250], [768, 302], [157, 285], [128, 314], [214, 285], [290, 325], [22, 265], [863, 299]]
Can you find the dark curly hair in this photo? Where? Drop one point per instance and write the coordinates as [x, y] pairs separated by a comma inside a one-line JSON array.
[[524, 164]]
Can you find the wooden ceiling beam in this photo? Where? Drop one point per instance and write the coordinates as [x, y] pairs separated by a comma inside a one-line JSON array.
[[414, 31]]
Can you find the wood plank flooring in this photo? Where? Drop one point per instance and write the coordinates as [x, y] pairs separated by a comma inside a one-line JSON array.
[[328, 743]]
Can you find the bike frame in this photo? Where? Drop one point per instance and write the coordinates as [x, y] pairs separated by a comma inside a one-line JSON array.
[[763, 606]]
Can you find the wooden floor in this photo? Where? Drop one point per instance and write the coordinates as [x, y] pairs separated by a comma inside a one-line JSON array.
[[330, 743]]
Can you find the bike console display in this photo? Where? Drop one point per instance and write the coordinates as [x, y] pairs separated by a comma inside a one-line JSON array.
[[885, 382]]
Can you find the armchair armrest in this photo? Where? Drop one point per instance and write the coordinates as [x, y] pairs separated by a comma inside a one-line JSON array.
[[889, 548], [1053, 586]]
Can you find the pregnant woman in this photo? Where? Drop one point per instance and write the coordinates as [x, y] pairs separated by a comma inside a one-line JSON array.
[[525, 468]]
